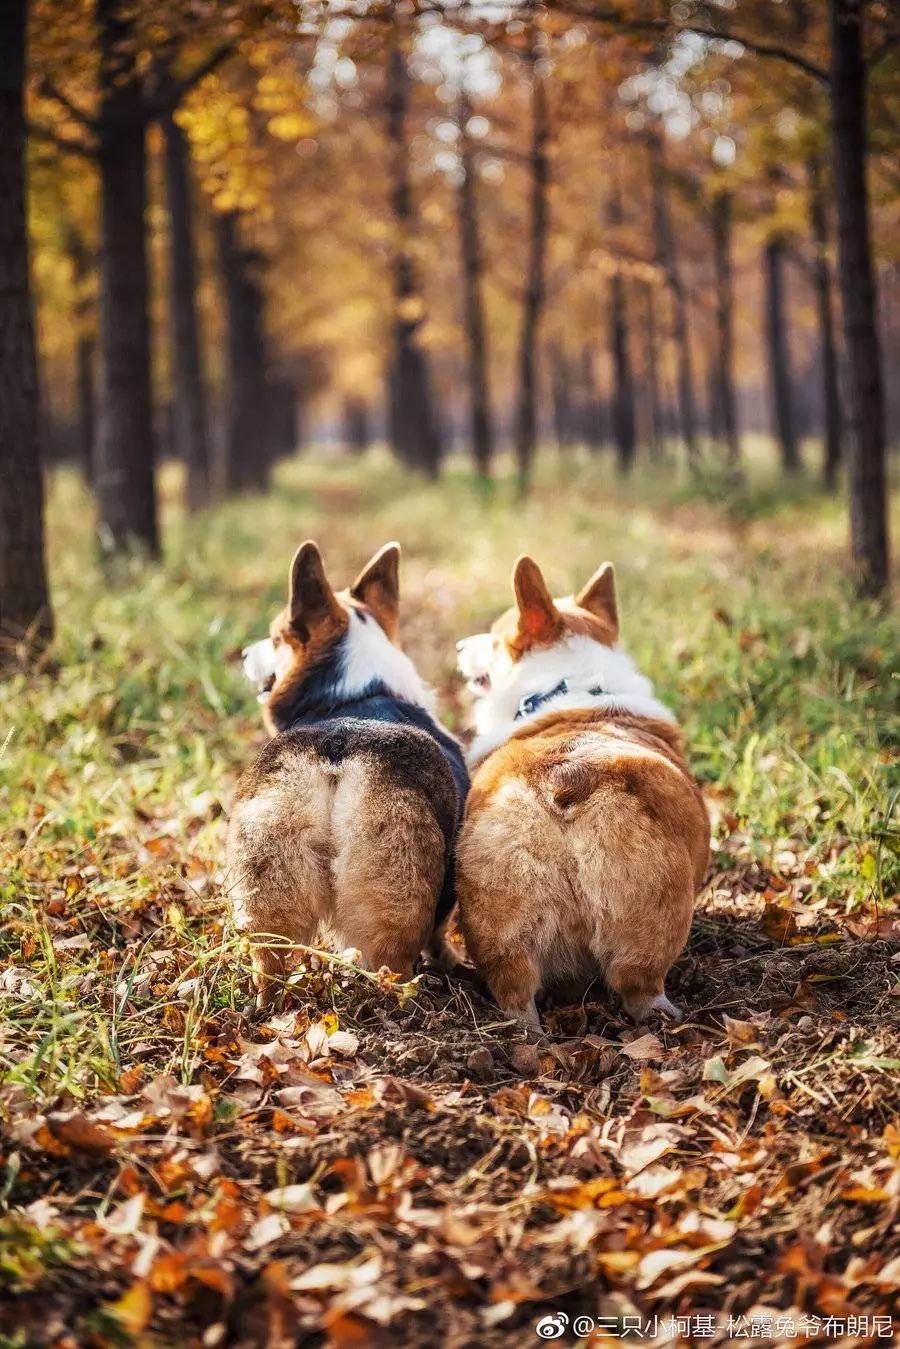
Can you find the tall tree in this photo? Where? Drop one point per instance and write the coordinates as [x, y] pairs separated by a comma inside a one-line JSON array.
[[26, 620], [724, 362], [667, 256], [124, 471], [476, 336], [414, 428], [778, 353], [189, 390], [868, 494], [533, 297], [623, 413], [247, 457], [114, 137], [85, 349], [357, 424], [651, 358], [831, 398]]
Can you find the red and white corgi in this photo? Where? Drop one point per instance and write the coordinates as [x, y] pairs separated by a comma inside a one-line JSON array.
[[585, 838], [348, 817]]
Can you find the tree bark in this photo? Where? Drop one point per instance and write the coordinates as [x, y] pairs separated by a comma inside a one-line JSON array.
[[191, 435], [476, 339], [564, 426], [533, 299], [125, 461], [357, 430], [26, 619], [246, 455], [651, 357], [779, 355], [623, 412], [831, 399], [283, 418], [592, 410], [668, 257], [414, 427], [85, 355], [868, 496], [724, 365]]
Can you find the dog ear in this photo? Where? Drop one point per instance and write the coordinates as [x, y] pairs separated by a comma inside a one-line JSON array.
[[599, 597], [378, 587], [539, 619], [312, 601]]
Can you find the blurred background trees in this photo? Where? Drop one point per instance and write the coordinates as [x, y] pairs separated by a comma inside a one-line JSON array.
[[642, 228]]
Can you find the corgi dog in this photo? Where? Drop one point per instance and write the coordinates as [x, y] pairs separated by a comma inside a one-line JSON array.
[[348, 818], [585, 838]]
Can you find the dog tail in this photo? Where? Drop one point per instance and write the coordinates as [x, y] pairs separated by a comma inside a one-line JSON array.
[[571, 782]]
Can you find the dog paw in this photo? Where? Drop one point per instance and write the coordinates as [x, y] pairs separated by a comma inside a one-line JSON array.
[[662, 1004]]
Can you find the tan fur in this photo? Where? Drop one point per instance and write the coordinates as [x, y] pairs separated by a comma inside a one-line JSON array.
[[310, 847], [335, 845], [585, 838]]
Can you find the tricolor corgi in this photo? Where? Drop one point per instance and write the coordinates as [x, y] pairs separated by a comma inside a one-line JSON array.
[[348, 818], [585, 838]]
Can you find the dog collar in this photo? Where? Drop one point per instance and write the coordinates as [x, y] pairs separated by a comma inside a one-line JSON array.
[[533, 701]]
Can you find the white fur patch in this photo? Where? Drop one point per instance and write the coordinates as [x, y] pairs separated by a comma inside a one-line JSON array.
[[369, 654], [584, 664], [262, 662]]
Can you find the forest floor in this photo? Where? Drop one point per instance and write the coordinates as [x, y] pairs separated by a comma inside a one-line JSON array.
[[384, 1165]]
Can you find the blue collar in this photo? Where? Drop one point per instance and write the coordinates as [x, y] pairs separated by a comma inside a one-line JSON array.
[[532, 702]]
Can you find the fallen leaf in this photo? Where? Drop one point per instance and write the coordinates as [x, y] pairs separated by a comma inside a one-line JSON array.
[[81, 1134], [266, 1230], [646, 1047], [133, 1309], [294, 1199]]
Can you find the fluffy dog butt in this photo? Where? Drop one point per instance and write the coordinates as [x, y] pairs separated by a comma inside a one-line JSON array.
[[570, 783]]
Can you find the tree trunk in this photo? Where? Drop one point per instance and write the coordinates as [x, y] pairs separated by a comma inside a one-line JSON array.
[[191, 436], [26, 620], [668, 257], [623, 413], [283, 417], [246, 448], [414, 426], [779, 355], [533, 300], [868, 497], [715, 424], [476, 340], [831, 400], [357, 431], [724, 365], [623, 417], [124, 478], [592, 418], [829, 350], [85, 352], [651, 356], [561, 391]]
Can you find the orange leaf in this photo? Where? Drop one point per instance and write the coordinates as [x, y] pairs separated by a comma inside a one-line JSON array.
[[863, 1195], [133, 1309], [81, 1134], [169, 1272]]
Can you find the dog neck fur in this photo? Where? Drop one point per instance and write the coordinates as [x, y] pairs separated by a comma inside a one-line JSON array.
[[369, 655], [585, 664]]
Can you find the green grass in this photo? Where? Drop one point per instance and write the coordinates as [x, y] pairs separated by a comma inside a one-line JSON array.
[[119, 758]]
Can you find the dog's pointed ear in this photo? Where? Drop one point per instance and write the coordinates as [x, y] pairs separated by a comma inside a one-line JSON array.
[[378, 587], [599, 597], [539, 619], [312, 600]]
